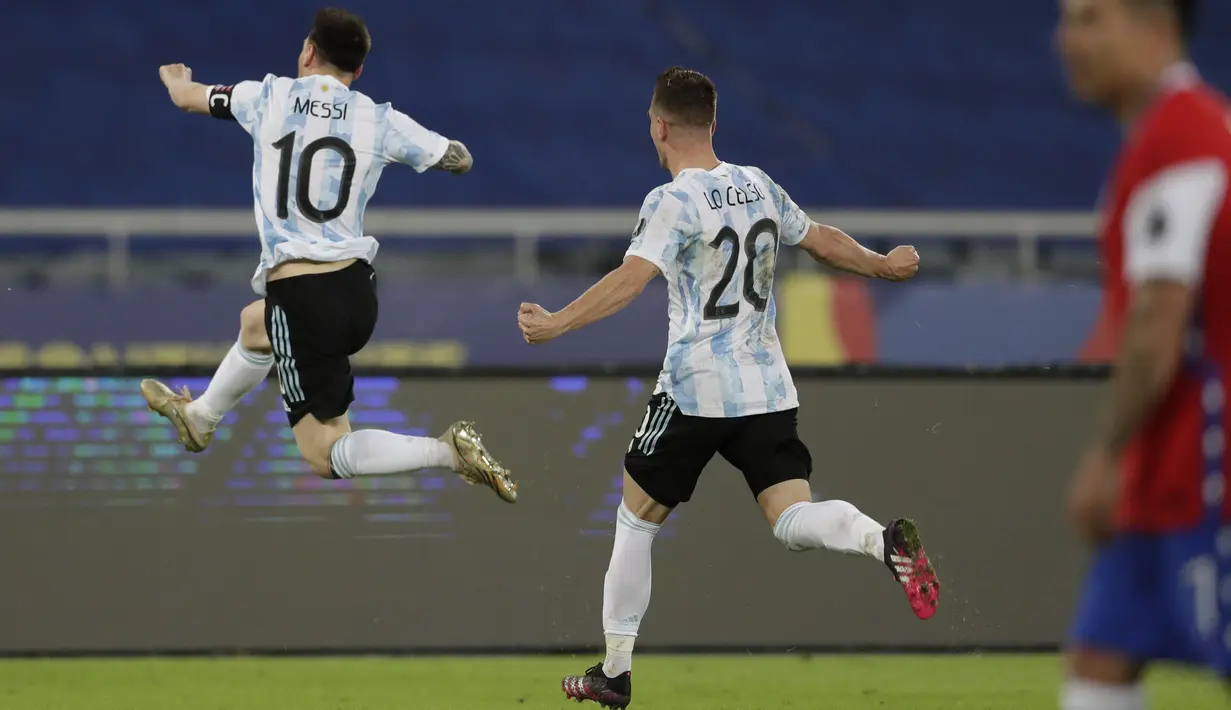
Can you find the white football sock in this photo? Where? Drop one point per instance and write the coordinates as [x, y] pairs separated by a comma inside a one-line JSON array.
[[626, 588], [833, 525], [1087, 695], [240, 373], [372, 452]]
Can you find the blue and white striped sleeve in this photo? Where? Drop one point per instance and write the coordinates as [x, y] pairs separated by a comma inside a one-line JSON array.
[[667, 220], [409, 143], [793, 222], [240, 102]]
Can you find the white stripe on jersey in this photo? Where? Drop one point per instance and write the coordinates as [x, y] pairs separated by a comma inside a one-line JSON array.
[[318, 152], [715, 235]]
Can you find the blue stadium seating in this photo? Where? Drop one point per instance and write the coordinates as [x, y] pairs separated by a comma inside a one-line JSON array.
[[948, 103]]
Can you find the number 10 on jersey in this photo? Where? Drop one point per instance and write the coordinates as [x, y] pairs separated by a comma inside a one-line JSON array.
[[714, 310], [303, 199]]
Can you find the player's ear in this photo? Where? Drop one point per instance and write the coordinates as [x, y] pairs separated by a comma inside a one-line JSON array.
[[358, 71], [713, 127]]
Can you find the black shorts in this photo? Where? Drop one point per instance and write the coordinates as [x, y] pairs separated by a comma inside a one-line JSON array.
[[315, 323], [670, 450]]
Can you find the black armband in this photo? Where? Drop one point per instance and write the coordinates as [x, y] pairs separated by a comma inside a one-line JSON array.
[[220, 102]]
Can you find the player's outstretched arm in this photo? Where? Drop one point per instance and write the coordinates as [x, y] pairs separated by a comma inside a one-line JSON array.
[[456, 160], [832, 246], [607, 297], [1149, 356], [185, 93], [1150, 353]]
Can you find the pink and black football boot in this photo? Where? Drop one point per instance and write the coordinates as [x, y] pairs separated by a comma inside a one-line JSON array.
[[614, 693], [906, 559]]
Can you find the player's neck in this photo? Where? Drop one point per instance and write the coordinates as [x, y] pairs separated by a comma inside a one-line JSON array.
[[1133, 104], [1138, 98], [343, 79], [700, 159]]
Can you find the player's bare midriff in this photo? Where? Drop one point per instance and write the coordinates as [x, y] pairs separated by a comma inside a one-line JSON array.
[[303, 267]]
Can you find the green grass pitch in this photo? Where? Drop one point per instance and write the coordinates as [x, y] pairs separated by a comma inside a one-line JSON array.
[[857, 682]]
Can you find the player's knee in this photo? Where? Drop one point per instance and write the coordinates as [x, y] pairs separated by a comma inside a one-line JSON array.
[[786, 529], [320, 465], [318, 452], [252, 334], [316, 441]]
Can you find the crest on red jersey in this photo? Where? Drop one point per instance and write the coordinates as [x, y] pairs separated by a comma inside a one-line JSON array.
[[1156, 224]]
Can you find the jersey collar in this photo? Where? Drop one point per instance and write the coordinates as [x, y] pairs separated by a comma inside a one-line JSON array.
[[1178, 77], [1181, 76], [717, 168]]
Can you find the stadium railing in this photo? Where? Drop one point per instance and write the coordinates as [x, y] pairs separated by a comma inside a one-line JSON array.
[[525, 227]]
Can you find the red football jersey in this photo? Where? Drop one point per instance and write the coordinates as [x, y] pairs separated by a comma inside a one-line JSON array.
[[1166, 217]]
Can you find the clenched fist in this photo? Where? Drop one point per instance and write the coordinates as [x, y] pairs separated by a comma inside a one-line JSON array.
[[901, 263], [538, 325], [174, 72]]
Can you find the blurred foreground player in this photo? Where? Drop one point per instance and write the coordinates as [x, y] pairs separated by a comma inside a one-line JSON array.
[[713, 232], [1150, 492], [319, 149]]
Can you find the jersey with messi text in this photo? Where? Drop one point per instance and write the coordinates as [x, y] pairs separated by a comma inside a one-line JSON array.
[[318, 152], [715, 235]]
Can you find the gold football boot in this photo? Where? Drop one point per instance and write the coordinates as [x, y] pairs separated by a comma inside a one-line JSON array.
[[475, 464], [172, 405]]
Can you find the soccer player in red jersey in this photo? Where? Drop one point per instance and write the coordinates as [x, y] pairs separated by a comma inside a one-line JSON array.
[[1150, 491]]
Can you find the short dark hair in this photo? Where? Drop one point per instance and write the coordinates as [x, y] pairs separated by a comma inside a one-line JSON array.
[[341, 38], [687, 96], [1186, 15], [1185, 12]]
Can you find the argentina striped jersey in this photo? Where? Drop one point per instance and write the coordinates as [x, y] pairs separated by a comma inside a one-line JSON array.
[[318, 152], [714, 235]]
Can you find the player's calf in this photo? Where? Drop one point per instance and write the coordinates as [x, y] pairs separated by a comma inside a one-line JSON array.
[[336, 452], [831, 525], [244, 368], [839, 526], [173, 406]]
